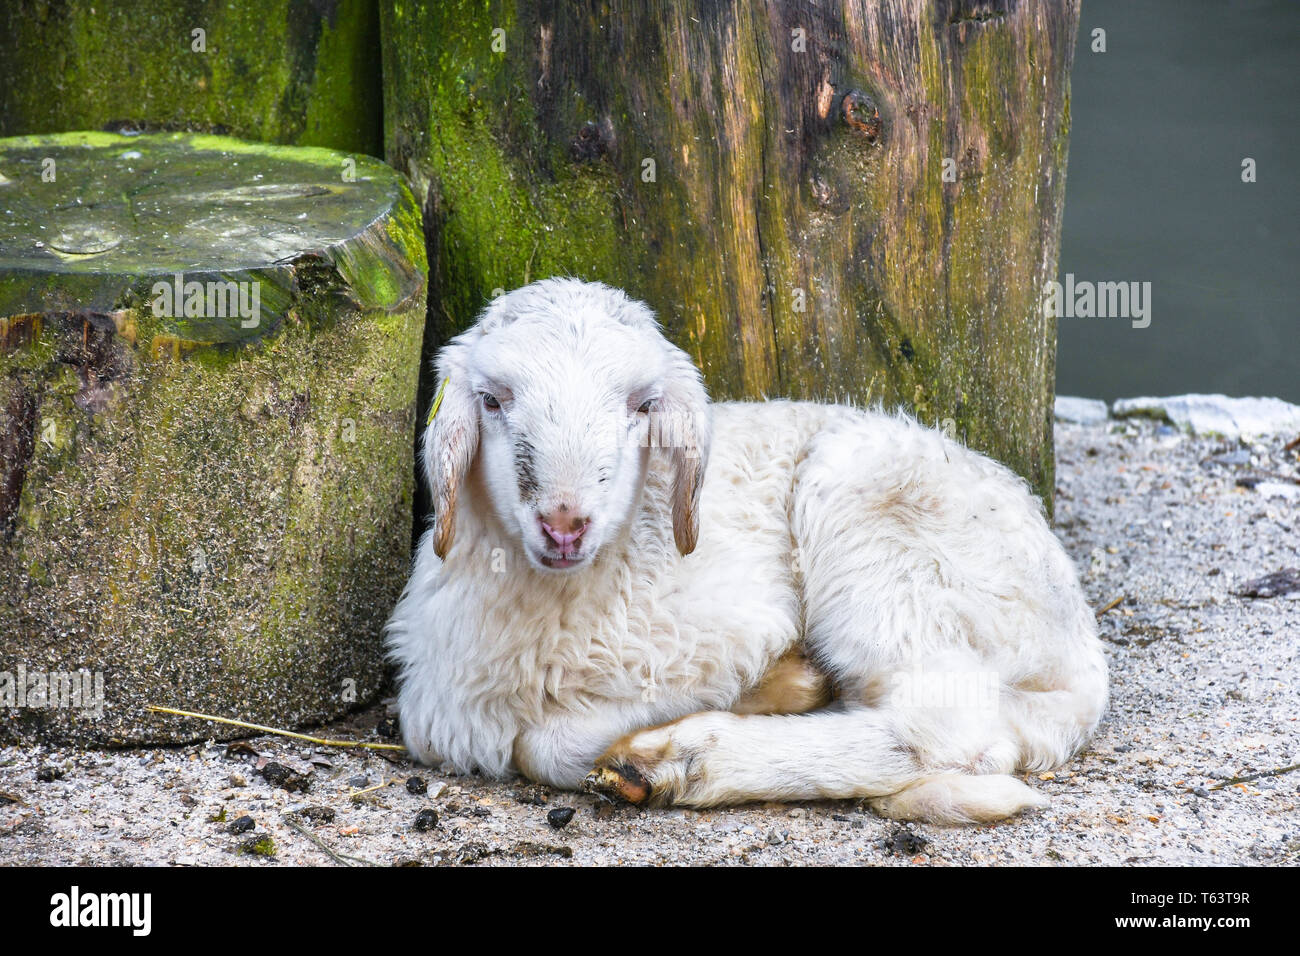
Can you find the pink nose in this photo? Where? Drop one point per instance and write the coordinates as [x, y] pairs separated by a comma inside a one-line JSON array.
[[563, 529]]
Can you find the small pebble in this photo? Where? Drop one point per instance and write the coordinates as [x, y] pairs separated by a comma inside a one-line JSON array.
[[426, 820], [318, 814], [242, 825], [417, 786], [278, 775], [533, 795], [904, 842], [1239, 457], [559, 817]]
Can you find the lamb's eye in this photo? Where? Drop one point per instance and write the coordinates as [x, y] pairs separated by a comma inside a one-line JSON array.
[[645, 407], [490, 402]]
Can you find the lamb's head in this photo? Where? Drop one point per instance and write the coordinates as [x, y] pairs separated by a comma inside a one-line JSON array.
[[557, 398]]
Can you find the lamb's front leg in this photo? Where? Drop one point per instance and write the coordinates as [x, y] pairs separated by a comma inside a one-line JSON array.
[[561, 749], [713, 758]]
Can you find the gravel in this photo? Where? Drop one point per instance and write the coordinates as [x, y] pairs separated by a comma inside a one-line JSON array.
[[1169, 532]]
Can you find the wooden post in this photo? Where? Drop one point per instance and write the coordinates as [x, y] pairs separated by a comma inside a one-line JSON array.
[[852, 200], [297, 72]]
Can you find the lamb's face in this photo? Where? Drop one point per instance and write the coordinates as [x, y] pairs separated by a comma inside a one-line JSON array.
[[562, 409], [571, 388]]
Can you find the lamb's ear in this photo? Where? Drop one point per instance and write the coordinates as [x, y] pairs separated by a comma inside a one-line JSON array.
[[684, 427], [450, 441]]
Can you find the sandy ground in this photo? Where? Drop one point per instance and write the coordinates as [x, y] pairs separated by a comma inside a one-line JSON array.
[[1205, 687]]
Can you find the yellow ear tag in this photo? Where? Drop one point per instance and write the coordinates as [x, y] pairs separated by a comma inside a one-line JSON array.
[[437, 401]]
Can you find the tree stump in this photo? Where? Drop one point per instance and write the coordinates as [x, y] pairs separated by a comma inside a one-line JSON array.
[[297, 72], [821, 200], [208, 360]]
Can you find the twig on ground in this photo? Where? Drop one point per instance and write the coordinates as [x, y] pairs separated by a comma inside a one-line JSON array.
[[340, 858], [378, 786], [1112, 605], [318, 741], [1250, 481], [1255, 776]]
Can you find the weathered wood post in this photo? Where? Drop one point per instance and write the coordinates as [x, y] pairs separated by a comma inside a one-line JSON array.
[[297, 72], [208, 360], [827, 200]]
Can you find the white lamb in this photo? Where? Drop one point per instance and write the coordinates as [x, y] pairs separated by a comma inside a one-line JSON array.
[[842, 604]]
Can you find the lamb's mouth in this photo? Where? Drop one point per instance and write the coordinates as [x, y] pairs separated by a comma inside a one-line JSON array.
[[561, 556], [561, 563]]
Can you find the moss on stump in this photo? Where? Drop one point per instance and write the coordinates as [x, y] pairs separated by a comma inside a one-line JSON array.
[[205, 496], [296, 72]]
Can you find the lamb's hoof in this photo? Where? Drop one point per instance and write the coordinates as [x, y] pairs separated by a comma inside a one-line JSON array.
[[618, 781]]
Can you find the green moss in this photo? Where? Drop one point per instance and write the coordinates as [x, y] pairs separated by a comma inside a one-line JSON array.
[[223, 519], [285, 71], [503, 231], [258, 846]]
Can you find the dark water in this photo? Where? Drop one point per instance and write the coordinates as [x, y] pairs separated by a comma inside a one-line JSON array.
[[1161, 124]]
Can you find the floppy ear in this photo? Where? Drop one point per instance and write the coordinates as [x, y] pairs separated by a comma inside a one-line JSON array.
[[685, 428], [450, 441]]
